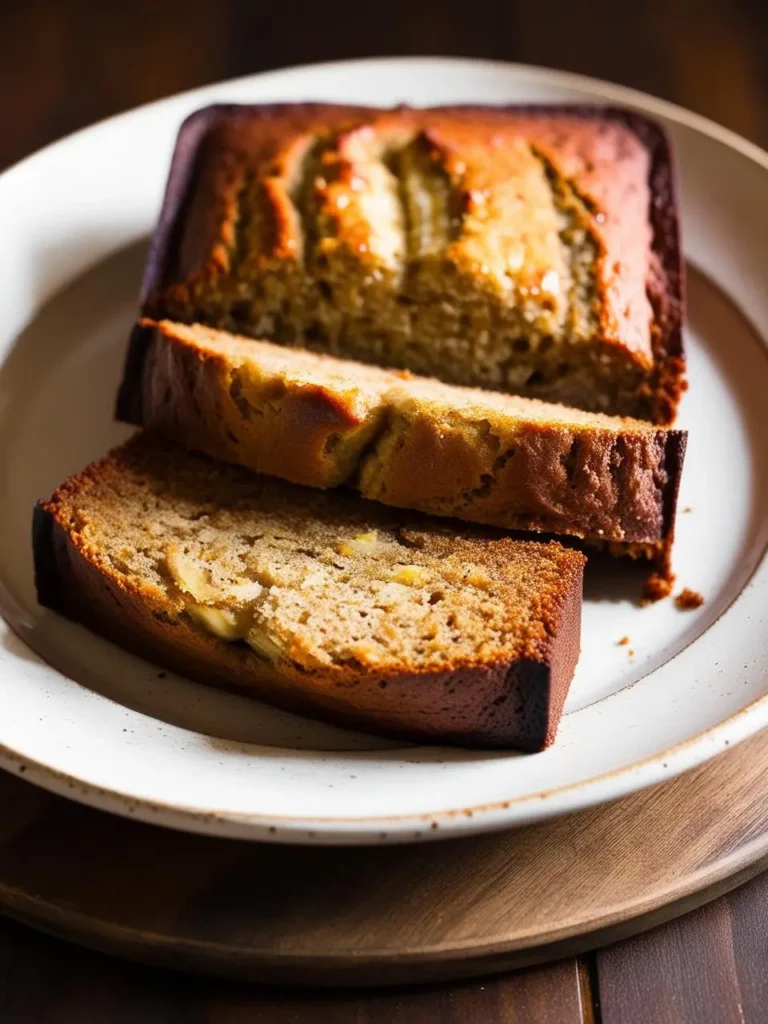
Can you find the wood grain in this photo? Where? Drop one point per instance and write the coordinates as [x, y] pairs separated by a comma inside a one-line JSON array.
[[708, 967], [651, 978], [386, 915], [44, 981]]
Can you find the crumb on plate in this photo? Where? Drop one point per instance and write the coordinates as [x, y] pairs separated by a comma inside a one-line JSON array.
[[688, 599], [623, 642]]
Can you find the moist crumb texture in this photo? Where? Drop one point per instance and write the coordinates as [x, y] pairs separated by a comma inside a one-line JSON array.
[[311, 590], [527, 252], [409, 441]]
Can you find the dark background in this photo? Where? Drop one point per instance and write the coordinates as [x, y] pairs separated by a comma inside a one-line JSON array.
[[67, 63]]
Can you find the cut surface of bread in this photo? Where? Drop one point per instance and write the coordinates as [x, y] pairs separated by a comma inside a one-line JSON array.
[[528, 250], [406, 441], [319, 602]]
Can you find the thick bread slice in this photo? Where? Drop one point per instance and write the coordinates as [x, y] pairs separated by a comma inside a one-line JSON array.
[[316, 601], [407, 441]]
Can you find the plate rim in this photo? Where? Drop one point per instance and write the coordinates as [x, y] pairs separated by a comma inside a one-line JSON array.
[[438, 824]]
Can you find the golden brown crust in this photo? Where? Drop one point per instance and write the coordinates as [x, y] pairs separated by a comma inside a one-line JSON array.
[[411, 443], [249, 222], [513, 702]]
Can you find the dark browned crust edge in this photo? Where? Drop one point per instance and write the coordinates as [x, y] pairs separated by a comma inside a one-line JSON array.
[[178, 190], [665, 288], [129, 406], [677, 442], [659, 583], [524, 714], [48, 582], [675, 453], [667, 294]]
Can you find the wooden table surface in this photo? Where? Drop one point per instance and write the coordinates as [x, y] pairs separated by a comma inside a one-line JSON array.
[[67, 63]]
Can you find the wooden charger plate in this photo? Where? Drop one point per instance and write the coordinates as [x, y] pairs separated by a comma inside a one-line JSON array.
[[383, 915]]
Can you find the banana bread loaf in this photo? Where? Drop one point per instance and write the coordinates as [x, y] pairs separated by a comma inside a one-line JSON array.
[[529, 250], [407, 441], [316, 601]]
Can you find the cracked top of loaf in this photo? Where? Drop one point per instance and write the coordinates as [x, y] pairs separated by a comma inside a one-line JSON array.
[[527, 250]]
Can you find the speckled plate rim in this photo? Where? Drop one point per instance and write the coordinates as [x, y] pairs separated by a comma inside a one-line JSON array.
[[608, 786]]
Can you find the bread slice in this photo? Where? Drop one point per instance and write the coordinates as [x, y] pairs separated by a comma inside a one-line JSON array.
[[528, 250], [406, 441], [318, 602]]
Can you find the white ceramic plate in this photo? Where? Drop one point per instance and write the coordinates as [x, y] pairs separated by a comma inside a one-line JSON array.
[[88, 720]]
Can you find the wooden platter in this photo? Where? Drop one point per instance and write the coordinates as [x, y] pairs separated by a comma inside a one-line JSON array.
[[383, 915]]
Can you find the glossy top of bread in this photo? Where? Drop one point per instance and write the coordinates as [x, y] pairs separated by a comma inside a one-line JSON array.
[[315, 600], [531, 250], [408, 441]]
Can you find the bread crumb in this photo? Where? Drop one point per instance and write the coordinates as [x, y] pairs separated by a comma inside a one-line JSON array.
[[688, 599], [623, 642], [631, 653], [657, 587], [687, 509]]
